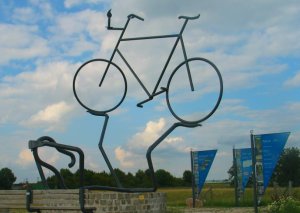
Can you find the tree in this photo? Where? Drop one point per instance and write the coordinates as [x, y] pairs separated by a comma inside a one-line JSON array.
[[70, 180], [187, 177], [164, 178], [288, 167], [143, 178], [7, 178]]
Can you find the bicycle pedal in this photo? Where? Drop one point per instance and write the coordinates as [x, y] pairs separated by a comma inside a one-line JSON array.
[[139, 105], [163, 88]]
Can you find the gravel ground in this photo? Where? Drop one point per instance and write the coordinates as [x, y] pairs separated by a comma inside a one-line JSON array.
[[214, 210]]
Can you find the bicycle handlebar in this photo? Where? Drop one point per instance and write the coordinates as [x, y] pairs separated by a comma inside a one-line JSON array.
[[189, 17], [130, 16], [135, 16]]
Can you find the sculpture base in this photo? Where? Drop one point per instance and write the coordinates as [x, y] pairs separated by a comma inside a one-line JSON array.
[[104, 201], [150, 202]]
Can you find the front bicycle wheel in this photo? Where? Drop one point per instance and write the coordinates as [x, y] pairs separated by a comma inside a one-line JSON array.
[[193, 107], [88, 93]]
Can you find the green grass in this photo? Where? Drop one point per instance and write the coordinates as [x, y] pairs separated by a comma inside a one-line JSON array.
[[220, 195]]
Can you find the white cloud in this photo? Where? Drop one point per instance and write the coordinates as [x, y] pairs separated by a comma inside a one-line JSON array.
[[35, 97], [75, 33], [294, 81], [82, 45], [293, 107], [73, 3], [223, 154], [243, 56], [84, 22], [25, 158], [21, 42], [132, 155], [124, 157], [153, 130], [50, 156], [36, 10], [91, 164], [52, 114], [24, 14], [249, 50], [138, 144]]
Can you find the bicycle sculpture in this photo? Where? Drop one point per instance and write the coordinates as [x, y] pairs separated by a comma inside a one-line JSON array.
[[111, 68]]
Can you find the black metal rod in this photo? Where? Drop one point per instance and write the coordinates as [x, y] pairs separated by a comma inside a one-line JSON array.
[[187, 64], [140, 104], [82, 202], [39, 162], [150, 37], [150, 164], [235, 177], [183, 26], [156, 143], [165, 66], [178, 36], [70, 154], [255, 202], [170, 56], [134, 74], [114, 52], [100, 145], [74, 149], [29, 198], [40, 169]]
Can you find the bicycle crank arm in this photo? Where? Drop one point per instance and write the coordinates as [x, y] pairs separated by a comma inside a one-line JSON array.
[[163, 89], [145, 101]]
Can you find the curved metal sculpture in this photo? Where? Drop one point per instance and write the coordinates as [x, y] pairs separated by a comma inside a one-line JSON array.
[[104, 113], [109, 64], [47, 141]]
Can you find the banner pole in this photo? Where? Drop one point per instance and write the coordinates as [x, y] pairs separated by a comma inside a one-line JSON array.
[[254, 172], [193, 178], [235, 178]]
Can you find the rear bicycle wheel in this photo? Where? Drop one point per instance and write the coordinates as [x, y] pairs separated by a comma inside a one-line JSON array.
[[193, 107], [88, 93]]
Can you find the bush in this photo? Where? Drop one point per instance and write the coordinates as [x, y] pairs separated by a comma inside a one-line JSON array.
[[284, 205]]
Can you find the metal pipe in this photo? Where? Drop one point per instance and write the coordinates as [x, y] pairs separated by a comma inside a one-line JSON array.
[[150, 37]]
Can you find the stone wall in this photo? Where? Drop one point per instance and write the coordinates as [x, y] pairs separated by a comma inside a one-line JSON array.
[[105, 202], [127, 202]]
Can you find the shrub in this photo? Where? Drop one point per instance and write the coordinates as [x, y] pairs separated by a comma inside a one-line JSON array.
[[284, 205]]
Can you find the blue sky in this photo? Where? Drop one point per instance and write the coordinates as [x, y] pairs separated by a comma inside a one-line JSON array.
[[254, 44]]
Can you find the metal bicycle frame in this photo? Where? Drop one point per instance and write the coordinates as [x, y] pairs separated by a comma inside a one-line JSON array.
[[154, 92]]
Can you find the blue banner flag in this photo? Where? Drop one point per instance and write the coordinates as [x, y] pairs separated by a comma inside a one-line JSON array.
[[201, 163], [243, 159], [268, 148]]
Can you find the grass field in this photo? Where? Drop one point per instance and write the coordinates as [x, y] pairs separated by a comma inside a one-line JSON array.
[[221, 195]]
